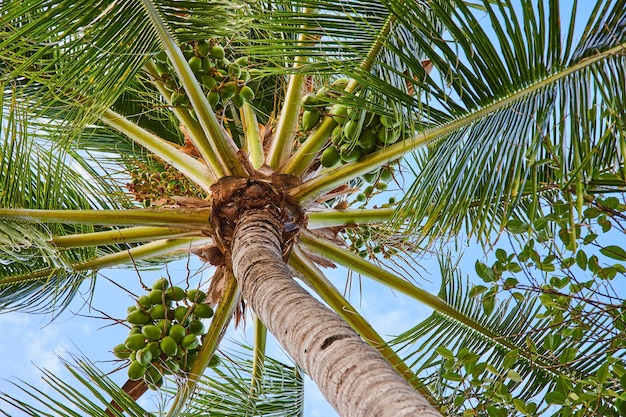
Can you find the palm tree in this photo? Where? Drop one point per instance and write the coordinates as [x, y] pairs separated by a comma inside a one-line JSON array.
[[248, 132]]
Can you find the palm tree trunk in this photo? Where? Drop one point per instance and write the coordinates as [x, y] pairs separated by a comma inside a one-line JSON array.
[[353, 377]]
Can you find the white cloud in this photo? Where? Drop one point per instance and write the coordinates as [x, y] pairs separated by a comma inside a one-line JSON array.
[[30, 346], [42, 347], [27, 345]]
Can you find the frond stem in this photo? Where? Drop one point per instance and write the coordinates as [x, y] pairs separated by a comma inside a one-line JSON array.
[[157, 248], [253, 140], [288, 119], [258, 357], [118, 236], [333, 217], [152, 249], [192, 168], [370, 58], [196, 219], [192, 127]]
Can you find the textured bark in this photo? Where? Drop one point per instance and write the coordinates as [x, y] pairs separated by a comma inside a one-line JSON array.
[[353, 377]]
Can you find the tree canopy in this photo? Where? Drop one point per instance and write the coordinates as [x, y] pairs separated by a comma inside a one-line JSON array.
[[374, 133]]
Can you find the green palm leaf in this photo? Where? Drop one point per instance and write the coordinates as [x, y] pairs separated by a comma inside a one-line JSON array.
[[227, 390], [541, 90], [96, 66], [94, 62], [515, 324], [90, 394], [34, 173], [223, 391]]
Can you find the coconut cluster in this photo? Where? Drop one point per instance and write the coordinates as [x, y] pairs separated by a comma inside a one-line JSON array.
[[363, 241], [222, 80], [358, 133], [165, 336], [151, 185]]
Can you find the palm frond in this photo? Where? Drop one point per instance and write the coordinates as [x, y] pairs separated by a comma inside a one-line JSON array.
[[39, 278], [73, 63], [90, 394], [143, 104], [227, 390], [348, 29], [82, 40], [198, 21], [557, 122], [222, 391], [35, 173], [515, 323], [48, 292], [365, 40], [37, 170]]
